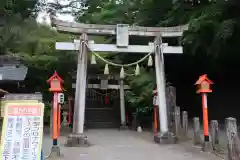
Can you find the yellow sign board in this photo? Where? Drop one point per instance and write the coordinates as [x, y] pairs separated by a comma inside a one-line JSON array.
[[22, 131]]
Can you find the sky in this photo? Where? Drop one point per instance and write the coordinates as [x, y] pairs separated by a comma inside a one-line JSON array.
[[64, 17]]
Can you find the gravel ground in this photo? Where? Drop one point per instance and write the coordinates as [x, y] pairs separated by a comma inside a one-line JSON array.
[[126, 145]]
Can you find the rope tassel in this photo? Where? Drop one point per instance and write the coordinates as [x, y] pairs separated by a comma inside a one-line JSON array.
[[122, 73], [137, 70], [106, 69], [150, 61], [93, 59]]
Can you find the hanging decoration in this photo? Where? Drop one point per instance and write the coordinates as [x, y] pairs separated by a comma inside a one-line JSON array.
[[93, 59], [122, 73], [137, 70], [106, 69], [150, 61]]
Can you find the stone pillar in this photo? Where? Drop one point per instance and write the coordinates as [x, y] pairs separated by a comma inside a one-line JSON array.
[[196, 131], [77, 138], [171, 104], [232, 139], [185, 124], [177, 121], [215, 135], [134, 121]]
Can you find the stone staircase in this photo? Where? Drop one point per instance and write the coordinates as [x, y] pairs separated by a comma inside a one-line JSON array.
[[101, 118]]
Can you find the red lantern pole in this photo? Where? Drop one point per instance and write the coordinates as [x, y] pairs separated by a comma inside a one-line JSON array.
[[55, 118], [203, 84], [59, 119], [205, 117], [55, 86]]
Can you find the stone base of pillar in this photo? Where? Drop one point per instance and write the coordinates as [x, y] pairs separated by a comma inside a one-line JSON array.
[[77, 140], [207, 146], [123, 127], [166, 138], [55, 152]]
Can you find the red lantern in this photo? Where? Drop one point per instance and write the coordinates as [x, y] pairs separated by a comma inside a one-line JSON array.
[[203, 84], [55, 83]]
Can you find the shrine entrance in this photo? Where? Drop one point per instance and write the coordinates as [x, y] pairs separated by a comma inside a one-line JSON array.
[[122, 33], [102, 108], [102, 101]]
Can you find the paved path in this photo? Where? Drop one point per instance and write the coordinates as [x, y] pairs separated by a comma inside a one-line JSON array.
[[124, 145]]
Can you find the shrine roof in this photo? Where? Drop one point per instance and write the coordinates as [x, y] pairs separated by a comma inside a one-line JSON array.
[[13, 72]]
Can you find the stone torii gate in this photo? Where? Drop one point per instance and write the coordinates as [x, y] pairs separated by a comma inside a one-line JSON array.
[[122, 33]]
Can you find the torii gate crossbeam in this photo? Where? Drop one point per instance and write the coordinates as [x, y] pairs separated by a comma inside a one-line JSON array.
[[96, 29]]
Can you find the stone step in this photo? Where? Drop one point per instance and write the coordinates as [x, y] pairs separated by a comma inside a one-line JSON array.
[[96, 125], [102, 118], [101, 114]]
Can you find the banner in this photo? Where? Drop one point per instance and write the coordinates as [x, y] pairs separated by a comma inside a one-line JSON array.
[[3, 102]]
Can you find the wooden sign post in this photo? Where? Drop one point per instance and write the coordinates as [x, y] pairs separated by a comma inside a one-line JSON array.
[[203, 87], [22, 131], [55, 82]]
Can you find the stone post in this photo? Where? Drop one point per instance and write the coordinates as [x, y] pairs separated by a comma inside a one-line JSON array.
[[134, 121], [215, 134], [177, 121], [185, 124], [196, 131], [171, 104], [232, 139]]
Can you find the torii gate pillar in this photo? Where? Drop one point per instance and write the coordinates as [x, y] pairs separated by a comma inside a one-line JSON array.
[[165, 136], [77, 138]]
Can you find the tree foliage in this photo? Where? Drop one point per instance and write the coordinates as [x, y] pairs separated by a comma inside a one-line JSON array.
[[23, 8], [214, 28]]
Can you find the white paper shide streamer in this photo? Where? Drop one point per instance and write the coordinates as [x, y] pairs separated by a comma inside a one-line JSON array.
[[93, 59], [122, 73], [150, 61], [106, 69], [137, 70]]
